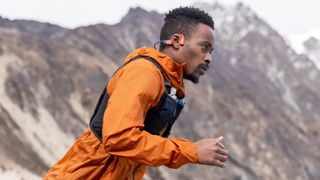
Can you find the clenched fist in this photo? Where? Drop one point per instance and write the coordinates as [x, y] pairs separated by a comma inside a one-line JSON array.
[[212, 152]]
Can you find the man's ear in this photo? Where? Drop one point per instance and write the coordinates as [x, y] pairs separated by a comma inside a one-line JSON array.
[[177, 40], [181, 41]]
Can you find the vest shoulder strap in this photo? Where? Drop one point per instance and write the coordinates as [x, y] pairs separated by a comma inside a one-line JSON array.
[[165, 77]]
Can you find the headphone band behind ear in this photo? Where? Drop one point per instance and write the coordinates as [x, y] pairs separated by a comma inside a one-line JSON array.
[[168, 42]]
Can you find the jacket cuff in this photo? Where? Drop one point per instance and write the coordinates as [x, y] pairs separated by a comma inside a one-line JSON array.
[[188, 153], [192, 153]]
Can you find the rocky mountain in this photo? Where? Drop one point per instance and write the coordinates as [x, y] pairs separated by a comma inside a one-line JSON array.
[[259, 94], [308, 44], [312, 50]]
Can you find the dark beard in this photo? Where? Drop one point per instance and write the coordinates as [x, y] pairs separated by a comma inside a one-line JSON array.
[[192, 77], [195, 76]]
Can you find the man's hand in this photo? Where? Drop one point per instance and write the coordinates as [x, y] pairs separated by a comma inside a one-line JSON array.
[[212, 152]]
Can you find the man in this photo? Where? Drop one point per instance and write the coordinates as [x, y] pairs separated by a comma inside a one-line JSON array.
[[136, 111]]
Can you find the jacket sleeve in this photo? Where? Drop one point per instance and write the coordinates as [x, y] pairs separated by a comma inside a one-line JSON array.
[[132, 92]]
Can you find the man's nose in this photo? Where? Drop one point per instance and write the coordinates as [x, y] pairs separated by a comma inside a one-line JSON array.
[[208, 58]]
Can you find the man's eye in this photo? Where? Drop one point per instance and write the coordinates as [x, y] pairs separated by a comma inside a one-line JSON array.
[[211, 50], [207, 48]]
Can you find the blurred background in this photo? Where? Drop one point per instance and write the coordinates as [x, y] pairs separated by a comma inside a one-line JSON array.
[[261, 92]]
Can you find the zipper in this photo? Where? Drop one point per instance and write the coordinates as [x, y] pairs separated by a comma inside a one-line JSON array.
[[134, 171]]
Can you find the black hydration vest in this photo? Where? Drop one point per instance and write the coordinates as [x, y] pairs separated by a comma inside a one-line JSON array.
[[158, 118]]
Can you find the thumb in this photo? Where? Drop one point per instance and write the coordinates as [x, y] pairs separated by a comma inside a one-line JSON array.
[[220, 138]]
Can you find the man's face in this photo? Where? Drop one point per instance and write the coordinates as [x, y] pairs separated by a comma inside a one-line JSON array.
[[197, 52]]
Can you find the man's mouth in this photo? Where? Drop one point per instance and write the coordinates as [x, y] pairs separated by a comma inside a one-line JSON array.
[[203, 68]]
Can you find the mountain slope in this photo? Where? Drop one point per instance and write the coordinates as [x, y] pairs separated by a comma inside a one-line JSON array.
[[259, 94]]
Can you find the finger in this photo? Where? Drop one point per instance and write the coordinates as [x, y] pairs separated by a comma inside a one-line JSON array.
[[221, 145], [223, 151], [218, 163], [221, 158]]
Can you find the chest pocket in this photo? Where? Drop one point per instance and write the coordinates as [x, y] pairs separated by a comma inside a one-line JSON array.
[[158, 119]]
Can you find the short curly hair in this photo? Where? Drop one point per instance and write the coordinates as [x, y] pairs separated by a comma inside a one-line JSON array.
[[183, 20]]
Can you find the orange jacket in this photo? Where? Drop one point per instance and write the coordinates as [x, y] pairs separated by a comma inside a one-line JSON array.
[[126, 149]]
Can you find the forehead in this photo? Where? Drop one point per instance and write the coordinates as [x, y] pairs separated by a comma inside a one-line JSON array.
[[203, 32]]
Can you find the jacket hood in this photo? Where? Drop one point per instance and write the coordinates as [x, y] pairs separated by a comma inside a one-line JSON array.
[[173, 70]]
